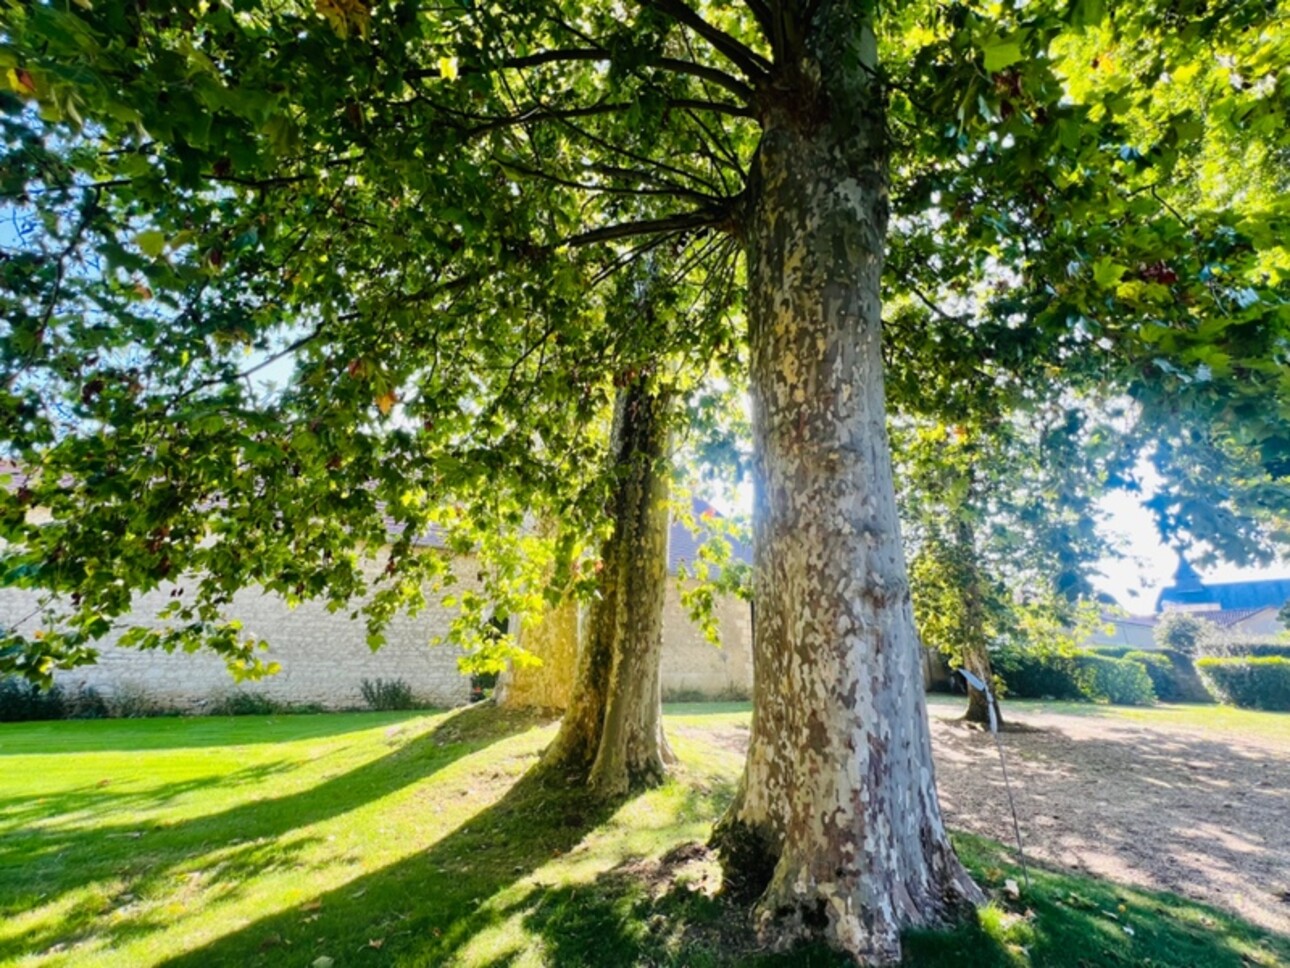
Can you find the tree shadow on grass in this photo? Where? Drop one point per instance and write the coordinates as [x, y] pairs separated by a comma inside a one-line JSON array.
[[662, 914], [246, 837], [423, 909]]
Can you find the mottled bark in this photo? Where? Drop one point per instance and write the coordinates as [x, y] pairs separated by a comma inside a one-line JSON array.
[[838, 801], [612, 733]]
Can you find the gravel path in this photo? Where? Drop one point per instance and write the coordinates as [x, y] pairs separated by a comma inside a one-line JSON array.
[[1204, 816]]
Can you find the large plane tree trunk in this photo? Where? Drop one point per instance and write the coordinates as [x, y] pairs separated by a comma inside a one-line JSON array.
[[612, 733], [838, 801]]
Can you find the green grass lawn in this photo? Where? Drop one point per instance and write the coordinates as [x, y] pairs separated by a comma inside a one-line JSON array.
[[416, 839], [1215, 720]]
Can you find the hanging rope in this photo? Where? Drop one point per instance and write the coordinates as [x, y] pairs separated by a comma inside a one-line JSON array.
[[979, 685]]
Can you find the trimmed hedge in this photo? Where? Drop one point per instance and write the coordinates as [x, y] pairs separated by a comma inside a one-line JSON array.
[[1251, 683], [1122, 682], [1173, 676], [1093, 676], [1037, 675], [1249, 650]]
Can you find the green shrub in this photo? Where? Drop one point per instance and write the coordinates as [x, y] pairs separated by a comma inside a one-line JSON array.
[[1037, 675], [1252, 683], [1183, 632], [388, 694], [253, 704], [131, 702], [1173, 675], [22, 701], [86, 703], [1122, 682], [1248, 649], [1159, 670]]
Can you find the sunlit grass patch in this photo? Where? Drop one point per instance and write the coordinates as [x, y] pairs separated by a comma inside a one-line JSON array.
[[422, 839]]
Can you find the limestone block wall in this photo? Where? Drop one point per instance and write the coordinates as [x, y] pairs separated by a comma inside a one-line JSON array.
[[554, 640], [324, 656], [692, 666]]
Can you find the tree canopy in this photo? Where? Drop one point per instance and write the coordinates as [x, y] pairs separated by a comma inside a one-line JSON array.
[[407, 214]]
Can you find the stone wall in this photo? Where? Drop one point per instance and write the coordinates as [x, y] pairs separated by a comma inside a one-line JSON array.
[[324, 656], [549, 685], [695, 668]]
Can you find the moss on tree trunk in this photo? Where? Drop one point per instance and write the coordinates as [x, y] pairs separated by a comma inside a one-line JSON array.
[[612, 733]]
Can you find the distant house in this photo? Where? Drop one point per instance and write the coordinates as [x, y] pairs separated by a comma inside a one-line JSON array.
[[1244, 608]]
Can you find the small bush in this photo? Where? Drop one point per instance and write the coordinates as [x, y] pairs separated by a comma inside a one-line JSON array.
[[131, 702], [730, 693], [253, 704], [388, 694], [86, 703], [1251, 683], [244, 704], [1121, 682], [1183, 632], [22, 701]]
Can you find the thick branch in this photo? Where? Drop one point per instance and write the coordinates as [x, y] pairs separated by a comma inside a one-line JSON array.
[[681, 222], [745, 58]]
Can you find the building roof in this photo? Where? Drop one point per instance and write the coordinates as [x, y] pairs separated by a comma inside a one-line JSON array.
[[683, 545], [1228, 596], [1223, 618]]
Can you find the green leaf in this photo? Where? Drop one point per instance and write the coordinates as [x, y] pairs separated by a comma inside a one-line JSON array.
[[1107, 273], [1002, 53], [152, 242]]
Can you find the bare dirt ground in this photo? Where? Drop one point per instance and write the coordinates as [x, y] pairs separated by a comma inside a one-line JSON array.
[[1201, 814]]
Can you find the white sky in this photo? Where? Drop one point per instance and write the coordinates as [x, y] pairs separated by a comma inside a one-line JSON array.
[[1148, 565]]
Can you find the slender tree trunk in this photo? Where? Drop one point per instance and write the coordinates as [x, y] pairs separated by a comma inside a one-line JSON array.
[[612, 733], [976, 653], [838, 801]]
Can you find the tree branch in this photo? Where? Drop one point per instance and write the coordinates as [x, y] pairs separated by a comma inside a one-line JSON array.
[[674, 65], [681, 222], [753, 65], [669, 191]]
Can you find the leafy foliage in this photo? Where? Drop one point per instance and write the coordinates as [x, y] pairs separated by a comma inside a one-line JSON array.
[[387, 694], [401, 218], [241, 703], [1183, 632], [1251, 683], [21, 701], [1123, 682]]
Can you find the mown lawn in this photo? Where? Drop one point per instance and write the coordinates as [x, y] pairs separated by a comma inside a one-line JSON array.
[[416, 839], [1210, 718]]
